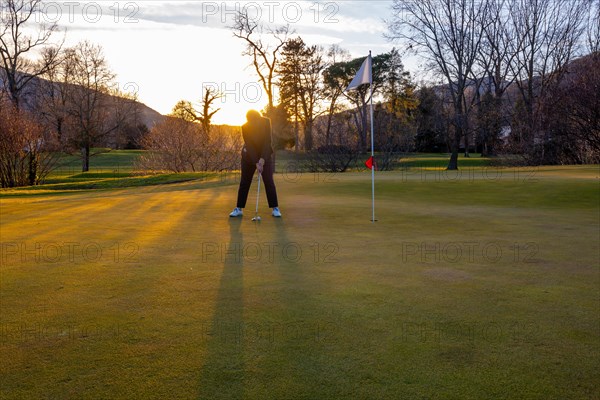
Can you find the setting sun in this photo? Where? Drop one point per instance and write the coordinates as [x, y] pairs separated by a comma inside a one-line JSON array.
[[166, 51]]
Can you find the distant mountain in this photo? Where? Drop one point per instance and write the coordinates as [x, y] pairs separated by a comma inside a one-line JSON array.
[[146, 115], [149, 116], [511, 89]]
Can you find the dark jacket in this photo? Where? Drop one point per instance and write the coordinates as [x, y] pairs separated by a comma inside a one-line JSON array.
[[257, 140]]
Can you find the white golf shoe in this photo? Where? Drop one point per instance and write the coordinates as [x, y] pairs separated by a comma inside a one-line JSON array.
[[237, 212], [276, 212]]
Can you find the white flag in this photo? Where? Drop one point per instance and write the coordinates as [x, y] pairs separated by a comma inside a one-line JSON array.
[[363, 75]]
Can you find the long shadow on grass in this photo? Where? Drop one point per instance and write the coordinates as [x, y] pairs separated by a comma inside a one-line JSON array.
[[306, 331], [222, 374]]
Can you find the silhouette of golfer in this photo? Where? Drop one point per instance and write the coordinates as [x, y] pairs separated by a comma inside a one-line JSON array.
[[257, 154]]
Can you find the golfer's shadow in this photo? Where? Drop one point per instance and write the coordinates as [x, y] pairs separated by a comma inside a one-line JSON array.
[[301, 331], [222, 373]]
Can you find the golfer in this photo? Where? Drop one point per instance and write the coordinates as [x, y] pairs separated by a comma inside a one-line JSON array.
[[257, 154]]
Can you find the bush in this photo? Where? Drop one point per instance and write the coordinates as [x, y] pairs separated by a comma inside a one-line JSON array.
[[330, 158], [177, 145], [27, 151]]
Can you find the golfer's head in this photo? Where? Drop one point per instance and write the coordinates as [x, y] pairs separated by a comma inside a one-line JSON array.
[[253, 116]]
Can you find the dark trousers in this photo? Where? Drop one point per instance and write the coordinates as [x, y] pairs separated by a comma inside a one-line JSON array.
[[267, 177]]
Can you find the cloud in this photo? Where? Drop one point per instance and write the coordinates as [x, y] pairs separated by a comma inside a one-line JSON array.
[[300, 15], [325, 22], [169, 49]]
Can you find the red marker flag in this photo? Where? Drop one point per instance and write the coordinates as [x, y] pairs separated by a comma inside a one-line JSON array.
[[370, 163]]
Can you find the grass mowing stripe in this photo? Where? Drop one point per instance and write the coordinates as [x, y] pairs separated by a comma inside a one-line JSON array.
[[397, 319]]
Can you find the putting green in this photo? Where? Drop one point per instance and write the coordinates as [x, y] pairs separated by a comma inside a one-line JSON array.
[[477, 284]]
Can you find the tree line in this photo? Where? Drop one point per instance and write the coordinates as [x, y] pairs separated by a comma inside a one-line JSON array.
[[65, 101], [515, 77]]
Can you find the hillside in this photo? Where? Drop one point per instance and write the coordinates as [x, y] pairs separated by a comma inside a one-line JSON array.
[[146, 115]]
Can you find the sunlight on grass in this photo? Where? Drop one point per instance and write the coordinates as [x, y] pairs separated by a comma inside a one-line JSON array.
[[155, 292]]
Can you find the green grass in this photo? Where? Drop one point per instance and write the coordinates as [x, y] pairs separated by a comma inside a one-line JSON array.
[[440, 161], [288, 160], [106, 163], [115, 164], [103, 181], [105, 159], [475, 286]]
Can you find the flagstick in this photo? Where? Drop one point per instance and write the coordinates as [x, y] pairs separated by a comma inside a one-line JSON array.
[[372, 149], [365, 75]]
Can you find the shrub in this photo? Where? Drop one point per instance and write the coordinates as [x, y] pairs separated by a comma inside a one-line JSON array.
[[330, 158], [177, 145]]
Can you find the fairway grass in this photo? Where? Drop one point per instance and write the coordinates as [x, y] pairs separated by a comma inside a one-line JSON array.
[[479, 284]]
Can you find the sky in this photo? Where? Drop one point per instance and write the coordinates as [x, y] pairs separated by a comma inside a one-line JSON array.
[[166, 51]]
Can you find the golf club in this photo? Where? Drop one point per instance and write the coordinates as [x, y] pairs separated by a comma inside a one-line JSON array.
[[256, 217]]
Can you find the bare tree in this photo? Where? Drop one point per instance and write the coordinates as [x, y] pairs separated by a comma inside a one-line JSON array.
[[496, 59], [52, 98], [17, 69], [571, 114], [448, 35], [265, 53], [207, 112], [593, 27], [95, 110], [186, 110], [24, 142], [549, 35]]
